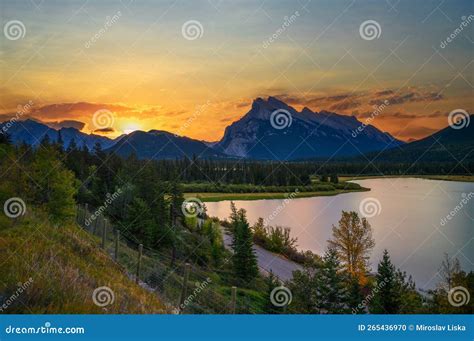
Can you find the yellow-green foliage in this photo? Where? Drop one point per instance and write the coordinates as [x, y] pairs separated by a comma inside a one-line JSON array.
[[191, 223], [65, 265]]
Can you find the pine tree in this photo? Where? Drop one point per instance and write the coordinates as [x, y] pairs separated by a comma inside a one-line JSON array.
[[331, 292], [139, 222], [176, 201], [244, 259], [271, 282], [52, 185], [355, 296], [386, 294]]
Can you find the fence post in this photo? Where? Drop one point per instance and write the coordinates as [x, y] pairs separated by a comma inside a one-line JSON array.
[[234, 298], [184, 291], [86, 210], [117, 239], [139, 263], [104, 231]]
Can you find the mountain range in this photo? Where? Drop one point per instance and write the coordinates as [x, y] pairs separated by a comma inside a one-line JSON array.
[[271, 130], [446, 145]]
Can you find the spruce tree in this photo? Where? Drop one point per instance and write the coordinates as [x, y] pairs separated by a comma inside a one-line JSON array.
[[271, 282], [243, 259], [386, 296], [355, 296], [331, 292]]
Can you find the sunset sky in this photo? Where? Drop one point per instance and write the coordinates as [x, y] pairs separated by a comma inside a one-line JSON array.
[[142, 68]]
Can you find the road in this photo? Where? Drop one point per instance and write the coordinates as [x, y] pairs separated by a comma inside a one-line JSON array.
[[268, 261]]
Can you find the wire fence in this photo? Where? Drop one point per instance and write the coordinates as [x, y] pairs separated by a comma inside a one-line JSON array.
[[185, 288]]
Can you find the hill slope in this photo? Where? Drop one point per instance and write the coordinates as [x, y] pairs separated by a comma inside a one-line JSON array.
[[446, 145], [157, 144], [59, 269], [32, 133]]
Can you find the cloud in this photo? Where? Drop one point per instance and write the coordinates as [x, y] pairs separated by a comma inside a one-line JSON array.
[[347, 102], [63, 110], [65, 124], [318, 101], [345, 105], [107, 130], [406, 97]]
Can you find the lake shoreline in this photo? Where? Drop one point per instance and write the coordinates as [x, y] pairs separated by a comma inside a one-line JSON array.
[[216, 197], [456, 178]]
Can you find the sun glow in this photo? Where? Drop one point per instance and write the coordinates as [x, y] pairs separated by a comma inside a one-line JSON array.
[[130, 128]]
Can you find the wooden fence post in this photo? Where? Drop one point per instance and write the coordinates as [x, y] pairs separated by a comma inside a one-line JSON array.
[[117, 240], [139, 263], [104, 231], [184, 291], [234, 298], [86, 210]]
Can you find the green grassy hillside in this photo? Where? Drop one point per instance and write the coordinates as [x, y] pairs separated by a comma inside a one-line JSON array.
[[55, 269]]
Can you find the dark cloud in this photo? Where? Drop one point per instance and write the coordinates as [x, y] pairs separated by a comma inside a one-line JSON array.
[[66, 124], [107, 130], [61, 110], [316, 101], [384, 93], [407, 97], [227, 119], [345, 105]]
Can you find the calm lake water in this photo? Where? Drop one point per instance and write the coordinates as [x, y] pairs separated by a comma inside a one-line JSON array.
[[409, 220]]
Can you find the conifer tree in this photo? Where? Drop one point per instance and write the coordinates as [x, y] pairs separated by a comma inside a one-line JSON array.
[[243, 259], [386, 298], [331, 291], [271, 282]]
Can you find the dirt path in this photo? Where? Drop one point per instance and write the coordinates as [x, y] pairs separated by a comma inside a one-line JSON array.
[[268, 261]]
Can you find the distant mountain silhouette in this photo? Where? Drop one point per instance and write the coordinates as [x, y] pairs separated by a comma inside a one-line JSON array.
[[157, 144], [32, 132], [446, 145], [303, 135]]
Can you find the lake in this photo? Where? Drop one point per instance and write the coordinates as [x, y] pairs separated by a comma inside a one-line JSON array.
[[409, 218]]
